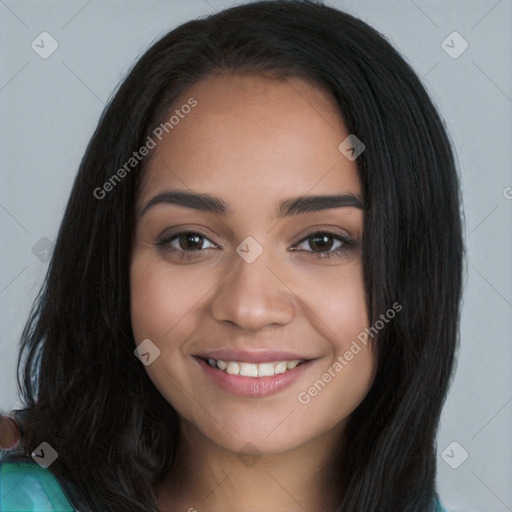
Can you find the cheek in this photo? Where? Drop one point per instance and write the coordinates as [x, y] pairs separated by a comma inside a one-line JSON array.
[[159, 299], [346, 375], [164, 305], [338, 300]]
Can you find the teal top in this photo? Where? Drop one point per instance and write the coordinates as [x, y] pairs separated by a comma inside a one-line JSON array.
[[27, 487]]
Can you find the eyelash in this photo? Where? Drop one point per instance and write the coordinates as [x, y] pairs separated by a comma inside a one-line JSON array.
[[347, 244]]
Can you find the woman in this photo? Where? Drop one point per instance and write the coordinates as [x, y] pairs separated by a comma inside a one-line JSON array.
[[299, 355]]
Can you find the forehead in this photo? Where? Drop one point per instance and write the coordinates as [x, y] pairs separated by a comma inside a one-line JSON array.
[[252, 137]]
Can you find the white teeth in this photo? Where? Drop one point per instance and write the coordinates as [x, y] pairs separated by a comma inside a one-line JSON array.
[[253, 369], [248, 369], [222, 365], [280, 367], [265, 370], [233, 368]]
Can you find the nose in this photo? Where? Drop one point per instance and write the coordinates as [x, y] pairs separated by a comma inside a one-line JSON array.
[[254, 296]]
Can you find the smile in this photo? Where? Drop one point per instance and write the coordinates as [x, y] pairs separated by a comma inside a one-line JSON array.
[[254, 379]]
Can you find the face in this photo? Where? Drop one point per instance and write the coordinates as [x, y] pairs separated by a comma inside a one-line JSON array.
[[254, 281]]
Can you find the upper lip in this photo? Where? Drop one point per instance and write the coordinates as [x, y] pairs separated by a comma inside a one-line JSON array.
[[262, 356]]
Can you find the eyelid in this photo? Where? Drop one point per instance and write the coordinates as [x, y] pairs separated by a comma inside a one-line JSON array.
[[324, 231], [164, 240], [347, 243]]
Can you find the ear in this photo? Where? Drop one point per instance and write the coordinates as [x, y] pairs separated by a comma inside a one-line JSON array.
[[9, 433]]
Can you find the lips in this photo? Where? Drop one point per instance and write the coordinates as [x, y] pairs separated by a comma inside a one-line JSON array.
[[252, 374]]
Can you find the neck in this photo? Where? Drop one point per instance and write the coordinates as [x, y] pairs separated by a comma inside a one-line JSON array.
[[206, 477]]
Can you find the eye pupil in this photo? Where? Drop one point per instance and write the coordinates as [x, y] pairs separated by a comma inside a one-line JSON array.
[[322, 241], [187, 241]]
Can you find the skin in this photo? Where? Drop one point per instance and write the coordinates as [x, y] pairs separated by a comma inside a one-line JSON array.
[[9, 433], [252, 141]]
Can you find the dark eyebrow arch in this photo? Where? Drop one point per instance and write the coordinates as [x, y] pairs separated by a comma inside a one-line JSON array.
[[287, 208], [305, 204]]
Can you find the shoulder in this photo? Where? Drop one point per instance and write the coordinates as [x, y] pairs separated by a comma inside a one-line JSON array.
[[26, 486], [439, 507]]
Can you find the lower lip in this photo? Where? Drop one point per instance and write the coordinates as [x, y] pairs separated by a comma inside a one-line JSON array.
[[253, 386]]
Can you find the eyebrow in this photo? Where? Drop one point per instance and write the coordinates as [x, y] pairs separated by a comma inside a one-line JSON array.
[[286, 208]]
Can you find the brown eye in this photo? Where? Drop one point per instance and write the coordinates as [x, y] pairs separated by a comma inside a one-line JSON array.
[[190, 241], [321, 243], [184, 244]]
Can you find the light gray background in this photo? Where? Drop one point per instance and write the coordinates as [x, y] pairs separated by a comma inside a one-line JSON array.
[[50, 107]]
